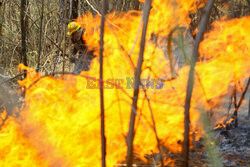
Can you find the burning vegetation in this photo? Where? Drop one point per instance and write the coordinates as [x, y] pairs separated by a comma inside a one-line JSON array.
[[58, 124]]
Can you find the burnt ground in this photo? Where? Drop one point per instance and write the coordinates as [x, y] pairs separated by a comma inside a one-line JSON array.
[[234, 144]]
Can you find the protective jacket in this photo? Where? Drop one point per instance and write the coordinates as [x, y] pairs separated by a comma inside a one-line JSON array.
[[85, 56]]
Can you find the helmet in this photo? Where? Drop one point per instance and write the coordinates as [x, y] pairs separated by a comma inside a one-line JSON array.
[[73, 27]]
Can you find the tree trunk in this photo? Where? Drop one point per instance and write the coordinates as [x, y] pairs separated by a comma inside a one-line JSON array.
[[64, 11], [137, 82], [1, 22], [24, 30], [74, 9]]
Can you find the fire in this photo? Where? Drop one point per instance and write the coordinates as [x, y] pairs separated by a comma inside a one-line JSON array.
[[224, 124], [16, 149], [228, 46], [60, 122]]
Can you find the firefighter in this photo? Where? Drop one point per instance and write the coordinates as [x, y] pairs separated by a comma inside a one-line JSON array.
[[85, 56]]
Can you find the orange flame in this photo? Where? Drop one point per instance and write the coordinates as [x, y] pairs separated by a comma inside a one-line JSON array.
[[224, 124], [60, 123]]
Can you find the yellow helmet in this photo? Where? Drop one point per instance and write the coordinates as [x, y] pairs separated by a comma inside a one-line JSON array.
[[73, 27]]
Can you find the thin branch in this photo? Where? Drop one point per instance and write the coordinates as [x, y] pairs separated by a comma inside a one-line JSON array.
[[52, 41], [93, 8], [3, 120], [107, 20], [154, 127], [230, 105], [103, 138], [136, 38], [9, 79], [130, 137], [199, 36]]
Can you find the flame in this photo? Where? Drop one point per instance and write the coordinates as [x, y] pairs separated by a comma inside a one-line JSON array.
[[60, 122], [227, 38], [228, 45], [224, 124], [16, 149]]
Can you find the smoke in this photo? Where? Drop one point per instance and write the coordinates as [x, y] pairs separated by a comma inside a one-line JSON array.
[[8, 97]]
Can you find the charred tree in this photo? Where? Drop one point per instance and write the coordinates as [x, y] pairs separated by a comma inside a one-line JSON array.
[[74, 9], [24, 29]]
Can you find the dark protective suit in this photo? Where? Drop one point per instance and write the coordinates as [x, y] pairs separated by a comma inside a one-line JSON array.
[[85, 56]]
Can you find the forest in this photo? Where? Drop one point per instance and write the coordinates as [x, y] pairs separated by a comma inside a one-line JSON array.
[[96, 83]]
